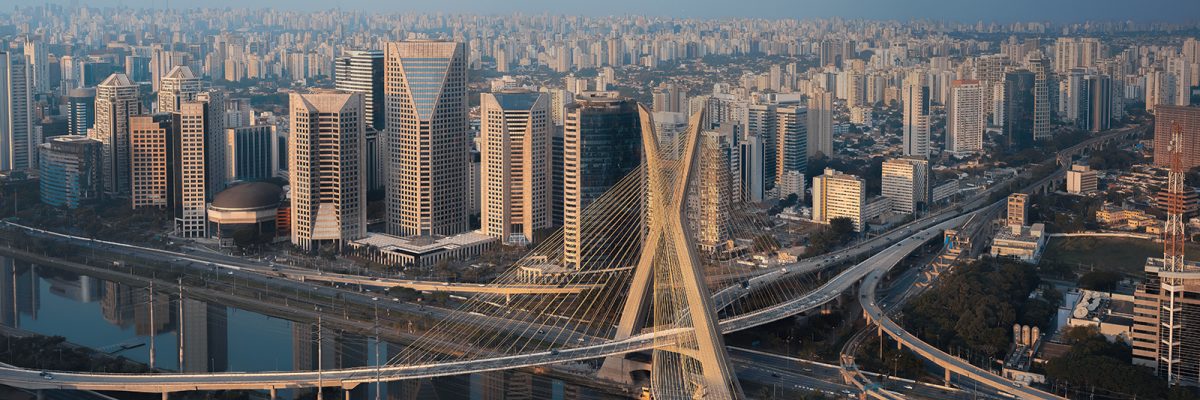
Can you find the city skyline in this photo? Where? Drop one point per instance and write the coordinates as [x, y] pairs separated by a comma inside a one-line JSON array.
[[1177, 11]]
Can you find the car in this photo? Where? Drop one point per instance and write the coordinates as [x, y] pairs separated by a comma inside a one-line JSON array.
[[46, 375], [275, 269], [554, 352], [909, 387], [541, 332], [774, 374], [374, 299]]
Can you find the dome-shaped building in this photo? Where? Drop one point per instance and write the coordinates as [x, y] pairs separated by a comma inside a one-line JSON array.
[[249, 207]]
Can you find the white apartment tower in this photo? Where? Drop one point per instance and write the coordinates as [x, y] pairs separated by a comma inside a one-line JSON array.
[[965, 117], [426, 97], [906, 181], [515, 132], [116, 101], [915, 96], [838, 195], [325, 163]]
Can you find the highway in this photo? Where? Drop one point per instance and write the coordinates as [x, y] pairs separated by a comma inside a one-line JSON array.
[[872, 270]]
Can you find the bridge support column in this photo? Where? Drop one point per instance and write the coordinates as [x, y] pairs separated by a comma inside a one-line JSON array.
[[347, 392], [41, 394], [165, 395], [274, 396], [948, 376]]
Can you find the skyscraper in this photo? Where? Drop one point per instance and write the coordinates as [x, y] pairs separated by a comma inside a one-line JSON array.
[[515, 132], [81, 111], [915, 94], [1041, 95], [425, 87], [251, 154], [325, 153], [153, 141], [965, 117], [602, 143], [792, 138], [761, 121], [116, 101], [1099, 103], [208, 116], [820, 123], [1018, 107], [69, 171], [192, 158], [39, 66], [362, 72], [176, 87], [16, 112]]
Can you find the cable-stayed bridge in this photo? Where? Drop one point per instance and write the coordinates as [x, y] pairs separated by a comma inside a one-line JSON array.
[[645, 249]]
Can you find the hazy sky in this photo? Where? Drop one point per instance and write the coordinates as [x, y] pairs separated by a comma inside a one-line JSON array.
[[961, 10]]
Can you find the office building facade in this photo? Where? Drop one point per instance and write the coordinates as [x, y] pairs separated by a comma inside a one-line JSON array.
[[426, 98], [514, 152], [116, 101], [906, 181], [602, 143], [325, 152], [69, 171], [361, 71], [17, 144]]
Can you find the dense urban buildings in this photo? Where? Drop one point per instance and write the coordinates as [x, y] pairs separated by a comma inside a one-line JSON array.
[[417, 163]]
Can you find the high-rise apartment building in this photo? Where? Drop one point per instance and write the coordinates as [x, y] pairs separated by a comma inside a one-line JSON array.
[[750, 166], [1041, 95], [325, 153], [792, 139], [838, 195], [69, 171], [1099, 103], [1018, 209], [1188, 118], [426, 96], [81, 111], [178, 86], [708, 199], [762, 122], [965, 117], [39, 66], [116, 101], [820, 123], [515, 133], [906, 181], [361, 71], [602, 142], [153, 143], [17, 143], [915, 93]]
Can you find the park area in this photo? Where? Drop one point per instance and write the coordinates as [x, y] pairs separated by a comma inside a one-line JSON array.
[[1121, 255]]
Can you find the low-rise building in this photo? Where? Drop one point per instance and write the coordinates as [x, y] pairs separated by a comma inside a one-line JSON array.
[[420, 251], [1024, 243], [1082, 180]]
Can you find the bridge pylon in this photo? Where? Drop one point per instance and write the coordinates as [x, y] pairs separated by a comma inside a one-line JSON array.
[[668, 290]]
